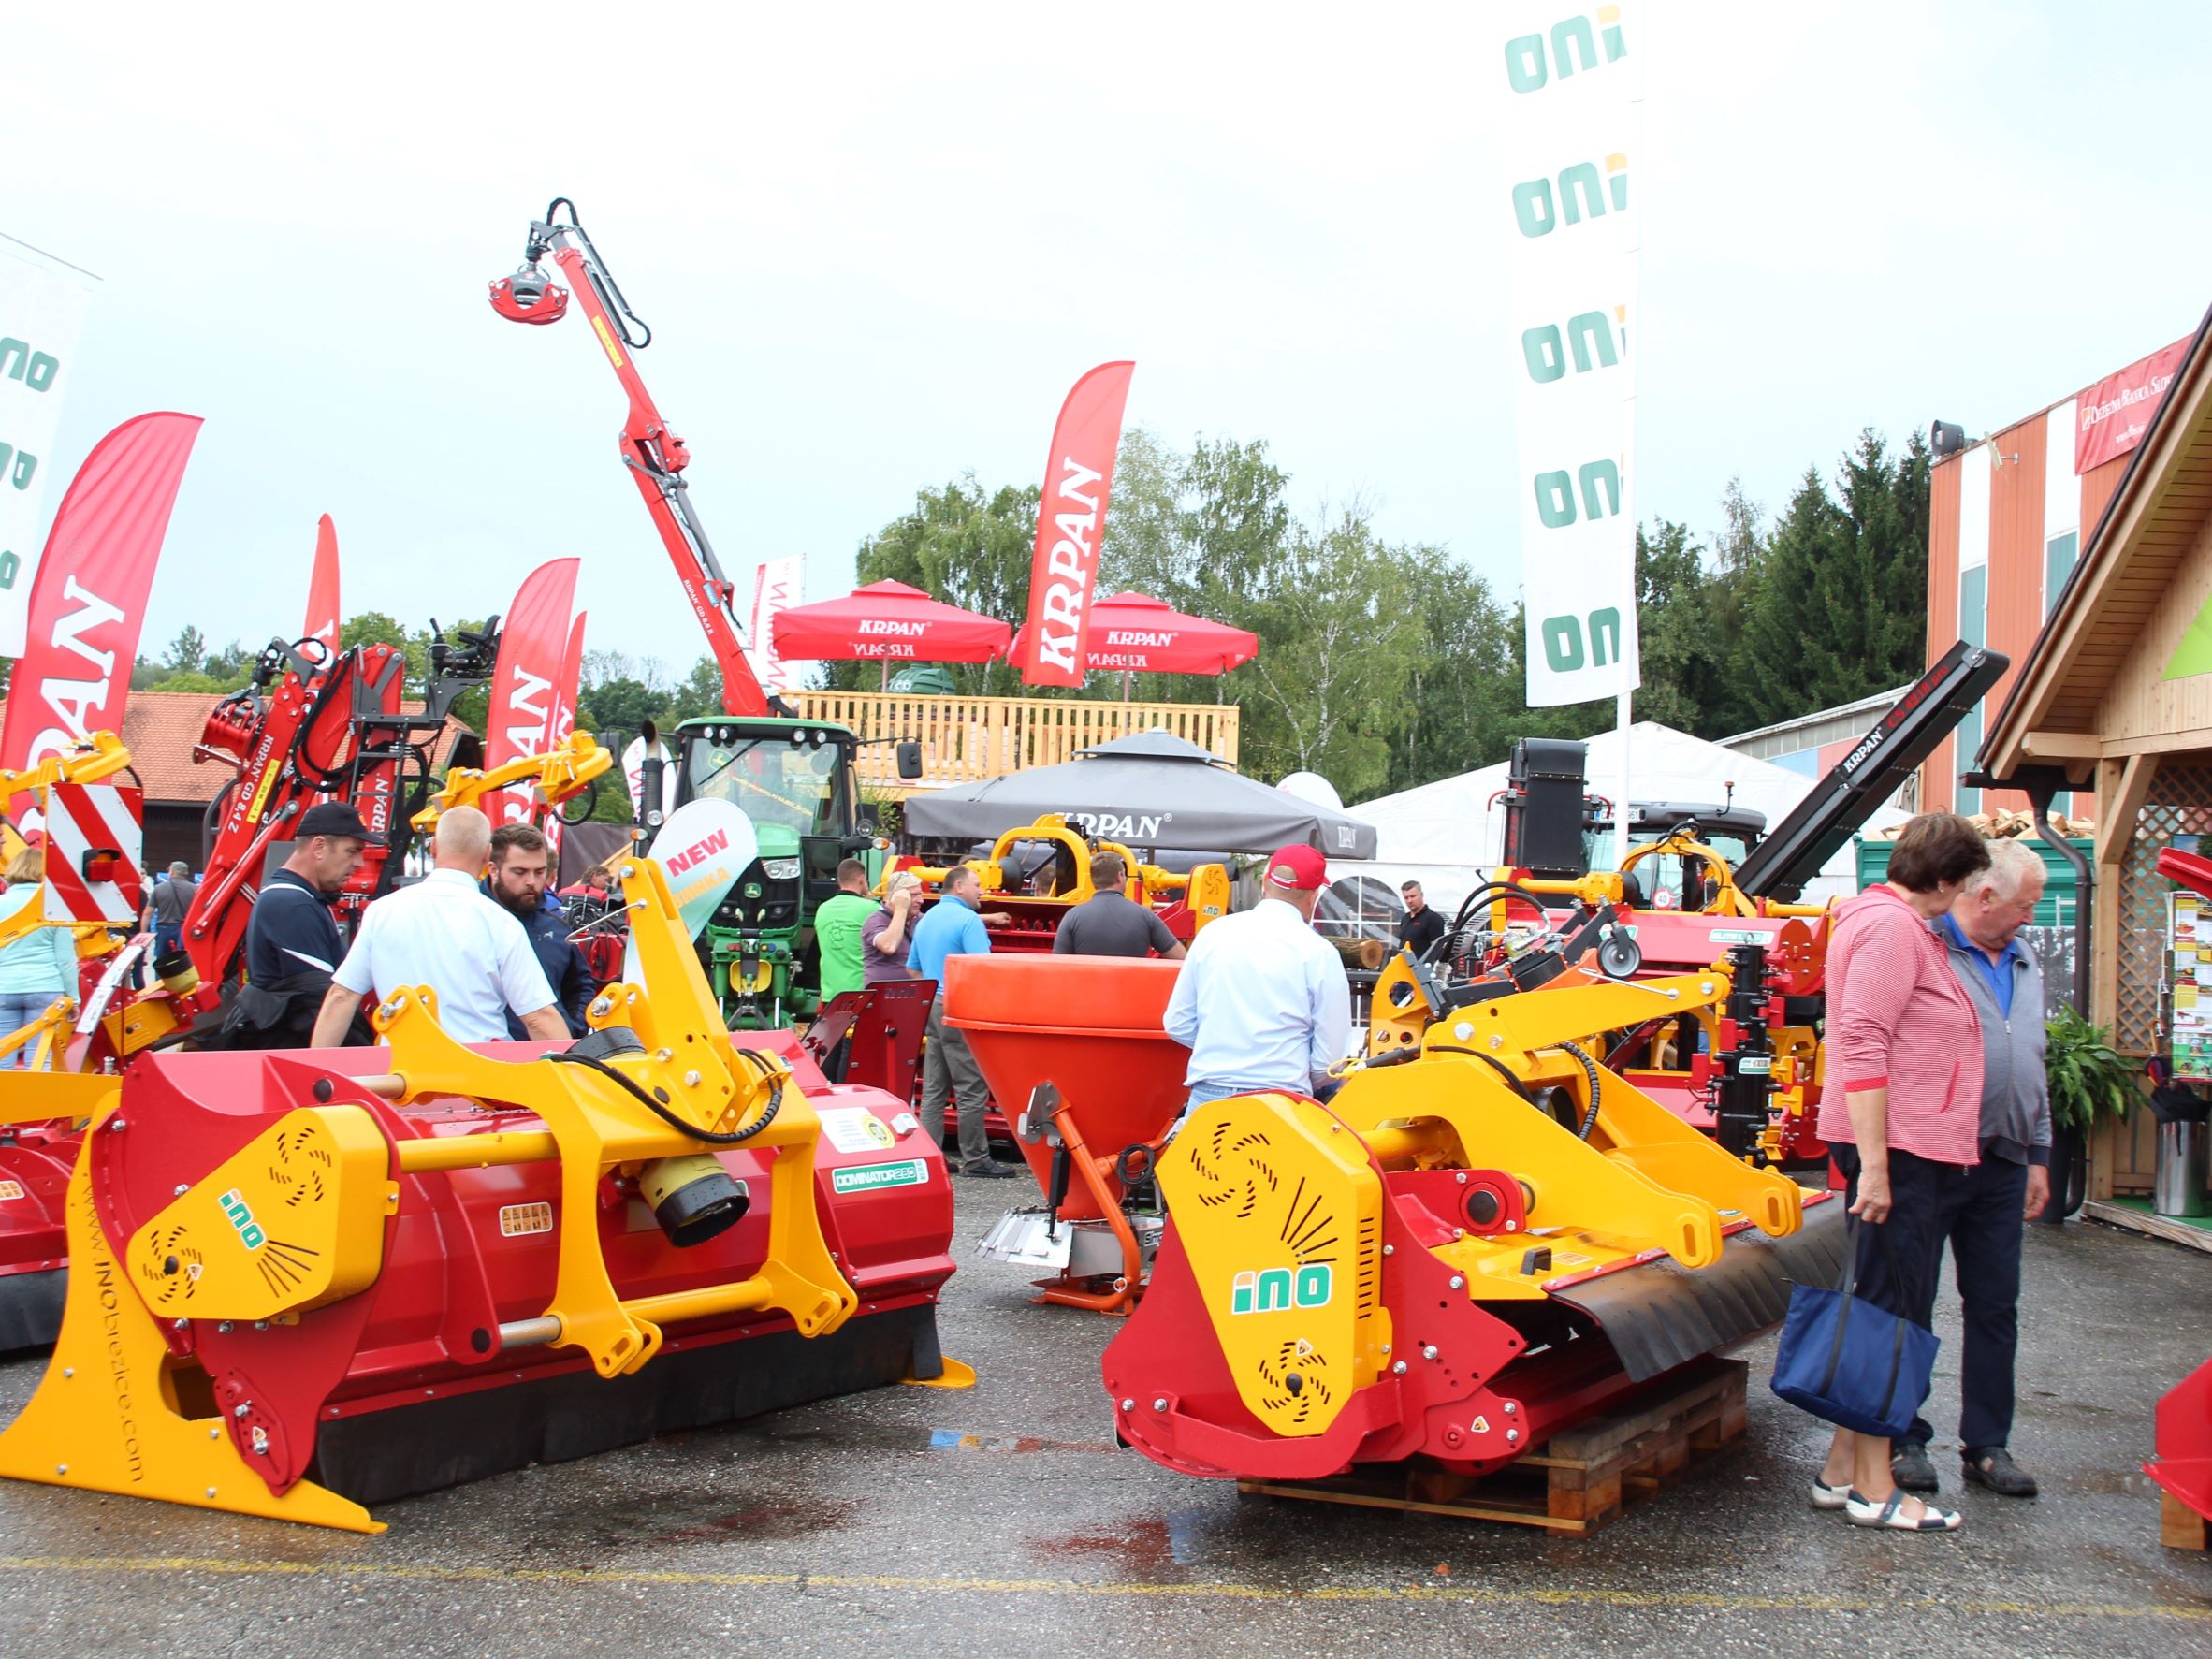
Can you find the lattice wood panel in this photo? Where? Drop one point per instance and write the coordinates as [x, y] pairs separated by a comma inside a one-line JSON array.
[[2181, 805]]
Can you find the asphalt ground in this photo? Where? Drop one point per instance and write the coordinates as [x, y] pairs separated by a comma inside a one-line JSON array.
[[1003, 1521]]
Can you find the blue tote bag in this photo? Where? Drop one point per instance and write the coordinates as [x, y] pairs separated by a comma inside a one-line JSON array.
[[1845, 1360]]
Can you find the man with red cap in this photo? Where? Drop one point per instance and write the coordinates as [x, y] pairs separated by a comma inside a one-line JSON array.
[[1262, 1001]]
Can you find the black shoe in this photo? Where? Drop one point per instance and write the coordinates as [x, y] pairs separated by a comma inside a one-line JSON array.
[[1908, 1466], [988, 1171], [1993, 1467]]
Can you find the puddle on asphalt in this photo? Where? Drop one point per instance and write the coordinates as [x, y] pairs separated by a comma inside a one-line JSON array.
[[794, 1519], [1144, 1548], [955, 1440], [882, 1436]]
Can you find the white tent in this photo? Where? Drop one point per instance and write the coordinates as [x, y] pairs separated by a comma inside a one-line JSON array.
[[1445, 834]]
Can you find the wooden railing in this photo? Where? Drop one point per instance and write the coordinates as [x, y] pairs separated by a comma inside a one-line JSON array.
[[964, 738]]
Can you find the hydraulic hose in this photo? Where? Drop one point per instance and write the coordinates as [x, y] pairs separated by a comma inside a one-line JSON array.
[[1589, 1066], [711, 1137]]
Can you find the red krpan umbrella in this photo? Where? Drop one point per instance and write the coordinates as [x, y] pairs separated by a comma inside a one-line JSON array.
[[1136, 633], [888, 622]]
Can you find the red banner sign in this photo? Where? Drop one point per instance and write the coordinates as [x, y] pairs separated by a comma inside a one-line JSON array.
[[1078, 474], [322, 587], [525, 688], [2112, 417], [567, 687], [89, 602]]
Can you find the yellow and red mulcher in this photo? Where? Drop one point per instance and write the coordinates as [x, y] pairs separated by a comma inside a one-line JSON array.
[[305, 1281]]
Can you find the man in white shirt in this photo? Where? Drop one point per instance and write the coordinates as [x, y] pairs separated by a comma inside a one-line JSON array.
[[445, 933], [1262, 1001]]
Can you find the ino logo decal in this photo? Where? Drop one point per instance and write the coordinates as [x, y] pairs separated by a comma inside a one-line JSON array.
[[1277, 1288], [1533, 61], [1564, 641], [242, 1218]]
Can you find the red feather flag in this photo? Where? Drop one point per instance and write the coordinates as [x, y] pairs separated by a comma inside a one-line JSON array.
[[322, 589], [533, 649], [1063, 571], [88, 605]]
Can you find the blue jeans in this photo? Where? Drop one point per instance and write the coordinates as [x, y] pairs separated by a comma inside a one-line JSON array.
[[1200, 1093], [18, 1009]]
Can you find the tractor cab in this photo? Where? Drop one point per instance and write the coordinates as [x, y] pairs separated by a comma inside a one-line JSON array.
[[794, 779]]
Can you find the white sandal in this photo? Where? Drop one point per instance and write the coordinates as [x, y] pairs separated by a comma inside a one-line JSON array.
[[1829, 1497], [1891, 1517]]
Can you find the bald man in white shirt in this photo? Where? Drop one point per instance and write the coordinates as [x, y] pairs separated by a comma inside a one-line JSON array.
[[445, 933]]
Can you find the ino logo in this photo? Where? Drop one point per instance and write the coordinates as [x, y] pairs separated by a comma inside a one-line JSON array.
[[1573, 45], [1590, 339], [249, 1230], [1277, 1288], [1565, 650], [1538, 209], [1600, 482]]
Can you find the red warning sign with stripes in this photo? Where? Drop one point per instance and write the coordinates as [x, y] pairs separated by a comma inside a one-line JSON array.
[[94, 852]]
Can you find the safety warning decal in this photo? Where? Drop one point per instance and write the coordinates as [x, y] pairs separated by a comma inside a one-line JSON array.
[[855, 1128], [12, 1189], [906, 1172], [515, 1220]]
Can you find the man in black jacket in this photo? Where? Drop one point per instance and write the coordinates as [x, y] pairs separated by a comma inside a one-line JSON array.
[[293, 945], [520, 879]]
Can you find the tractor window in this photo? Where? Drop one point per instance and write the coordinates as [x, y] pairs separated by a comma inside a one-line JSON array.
[[800, 787]]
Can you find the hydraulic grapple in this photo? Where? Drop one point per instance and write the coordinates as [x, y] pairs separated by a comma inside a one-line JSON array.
[[1481, 1239], [303, 1280]]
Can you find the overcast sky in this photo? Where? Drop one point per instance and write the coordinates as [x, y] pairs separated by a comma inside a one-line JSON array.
[[878, 244]]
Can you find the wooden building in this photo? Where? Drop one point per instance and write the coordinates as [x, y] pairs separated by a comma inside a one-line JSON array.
[[2007, 515], [2115, 692]]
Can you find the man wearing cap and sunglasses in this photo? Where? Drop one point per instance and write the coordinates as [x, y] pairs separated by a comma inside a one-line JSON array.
[[293, 945], [1262, 1001]]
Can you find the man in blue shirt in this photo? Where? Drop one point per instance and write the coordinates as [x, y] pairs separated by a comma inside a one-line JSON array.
[[1982, 1212], [952, 927], [1262, 1001]]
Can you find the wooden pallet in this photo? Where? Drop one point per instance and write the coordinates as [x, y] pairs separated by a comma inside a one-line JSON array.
[[1578, 1483], [2181, 1527]]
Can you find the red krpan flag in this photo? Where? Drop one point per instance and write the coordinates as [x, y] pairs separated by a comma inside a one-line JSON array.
[[322, 589], [89, 602], [534, 650], [1078, 476], [565, 722]]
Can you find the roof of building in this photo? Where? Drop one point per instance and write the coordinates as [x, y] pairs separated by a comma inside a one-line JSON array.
[[2124, 577], [1823, 725], [160, 728]]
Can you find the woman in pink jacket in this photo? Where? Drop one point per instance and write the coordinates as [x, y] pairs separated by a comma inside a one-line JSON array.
[[1902, 1112]]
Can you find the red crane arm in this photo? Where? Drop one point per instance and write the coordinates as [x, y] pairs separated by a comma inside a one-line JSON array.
[[655, 456]]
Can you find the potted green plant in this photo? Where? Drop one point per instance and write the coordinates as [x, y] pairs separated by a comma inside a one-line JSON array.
[[2089, 1081]]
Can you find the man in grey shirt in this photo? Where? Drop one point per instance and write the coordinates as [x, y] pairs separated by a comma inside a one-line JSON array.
[[1111, 924], [1983, 1209]]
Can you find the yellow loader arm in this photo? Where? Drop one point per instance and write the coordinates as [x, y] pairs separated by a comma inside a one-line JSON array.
[[555, 776]]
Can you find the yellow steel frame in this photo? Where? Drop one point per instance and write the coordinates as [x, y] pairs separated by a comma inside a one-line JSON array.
[[554, 776], [1206, 887]]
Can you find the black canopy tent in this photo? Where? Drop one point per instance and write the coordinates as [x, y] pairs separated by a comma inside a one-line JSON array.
[[1150, 790]]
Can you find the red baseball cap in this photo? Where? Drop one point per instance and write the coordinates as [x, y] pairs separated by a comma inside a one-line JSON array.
[[1301, 869]]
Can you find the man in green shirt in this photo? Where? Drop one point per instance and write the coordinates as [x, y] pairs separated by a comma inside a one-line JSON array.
[[836, 929]]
